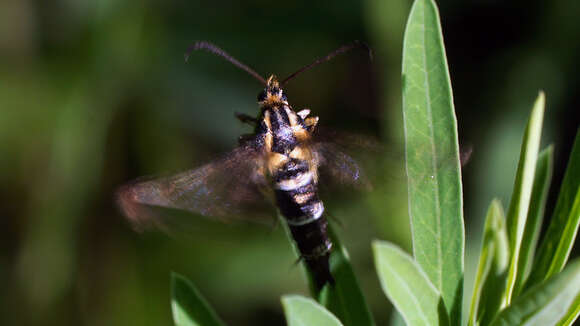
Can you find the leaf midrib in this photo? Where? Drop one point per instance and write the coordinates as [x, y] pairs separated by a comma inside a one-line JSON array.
[[434, 161], [408, 290]]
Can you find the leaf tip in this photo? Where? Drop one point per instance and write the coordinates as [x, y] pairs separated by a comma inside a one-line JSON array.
[[540, 101]]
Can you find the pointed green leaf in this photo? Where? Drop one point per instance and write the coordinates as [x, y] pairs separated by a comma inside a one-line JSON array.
[[491, 270], [520, 202], [188, 306], [552, 302], [535, 214], [344, 299], [432, 156], [408, 287], [301, 311], [561, 233]]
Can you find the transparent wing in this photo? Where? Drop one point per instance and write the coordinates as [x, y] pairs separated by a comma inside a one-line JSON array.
[[232, 187], [356, 161], [348, 141], [339, 167], [335, 151]]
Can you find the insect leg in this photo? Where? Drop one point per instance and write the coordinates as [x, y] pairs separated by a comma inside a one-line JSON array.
[[311, 122], [245, 138], [303, 113], [246, 118]]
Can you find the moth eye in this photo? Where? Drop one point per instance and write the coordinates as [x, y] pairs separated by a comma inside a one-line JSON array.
[[283, 97], [262, 96]]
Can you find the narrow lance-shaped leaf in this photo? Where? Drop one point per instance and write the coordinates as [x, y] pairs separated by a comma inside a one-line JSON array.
[[491, 271], [552, 302], [520, 202], [559, 238], [408, 287], [301, 311], [432, 156], [535, 214], [188, 306], [575, 310]]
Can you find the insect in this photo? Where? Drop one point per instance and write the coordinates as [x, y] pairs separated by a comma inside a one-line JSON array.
[[279, 160]]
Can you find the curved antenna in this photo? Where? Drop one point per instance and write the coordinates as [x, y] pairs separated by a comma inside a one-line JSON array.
[[212, 48], [340, 50]]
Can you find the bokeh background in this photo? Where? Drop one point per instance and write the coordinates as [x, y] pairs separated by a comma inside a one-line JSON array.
[[96, 93]]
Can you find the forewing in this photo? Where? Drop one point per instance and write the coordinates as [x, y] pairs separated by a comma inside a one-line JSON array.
[[232, 187]]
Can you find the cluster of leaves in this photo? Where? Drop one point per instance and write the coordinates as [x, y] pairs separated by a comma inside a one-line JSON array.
[[515, 283]]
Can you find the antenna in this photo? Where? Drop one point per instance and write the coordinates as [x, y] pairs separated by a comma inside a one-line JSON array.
[[340, 50], [212, 48]]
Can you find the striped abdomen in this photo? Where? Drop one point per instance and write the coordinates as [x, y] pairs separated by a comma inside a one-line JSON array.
[[297, 199], [294, 173]]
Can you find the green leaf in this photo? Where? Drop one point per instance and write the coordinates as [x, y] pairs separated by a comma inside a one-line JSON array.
[[432, 156], [408, 287], [344, 299], [491, 270], [397, 319], [552, 302], [301, 311], [535, 214], [520, 202], [559, 237], [188, 306]]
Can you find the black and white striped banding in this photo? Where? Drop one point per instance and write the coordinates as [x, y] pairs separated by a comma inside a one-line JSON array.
[[294, 178]]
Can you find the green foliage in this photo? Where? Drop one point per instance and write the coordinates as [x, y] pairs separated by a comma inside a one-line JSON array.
[[345, 299], [188, 306], [408, 287], [435, 206], [301, 311], [499, 297], [552, 302], [491, 270], [513, 285], [563, 228], [534, 220], [432, 157], [520, 203]]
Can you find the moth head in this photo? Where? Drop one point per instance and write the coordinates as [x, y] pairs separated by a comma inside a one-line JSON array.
[[272, 94]]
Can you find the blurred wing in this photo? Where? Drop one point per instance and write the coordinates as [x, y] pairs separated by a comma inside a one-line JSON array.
[[338, 167], [337, 149], [229, 188], [348, 140], [331, 148]]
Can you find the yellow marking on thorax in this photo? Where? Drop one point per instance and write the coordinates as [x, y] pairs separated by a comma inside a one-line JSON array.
[[291, 117], [301, 134], [305, 154], [301, 153], [311, 122], [276, 161], [268, 139]]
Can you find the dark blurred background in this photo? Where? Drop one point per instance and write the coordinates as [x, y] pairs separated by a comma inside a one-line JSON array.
[[96, 93]]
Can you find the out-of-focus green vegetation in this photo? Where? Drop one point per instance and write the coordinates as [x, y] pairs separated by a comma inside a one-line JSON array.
[[93, 94]]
